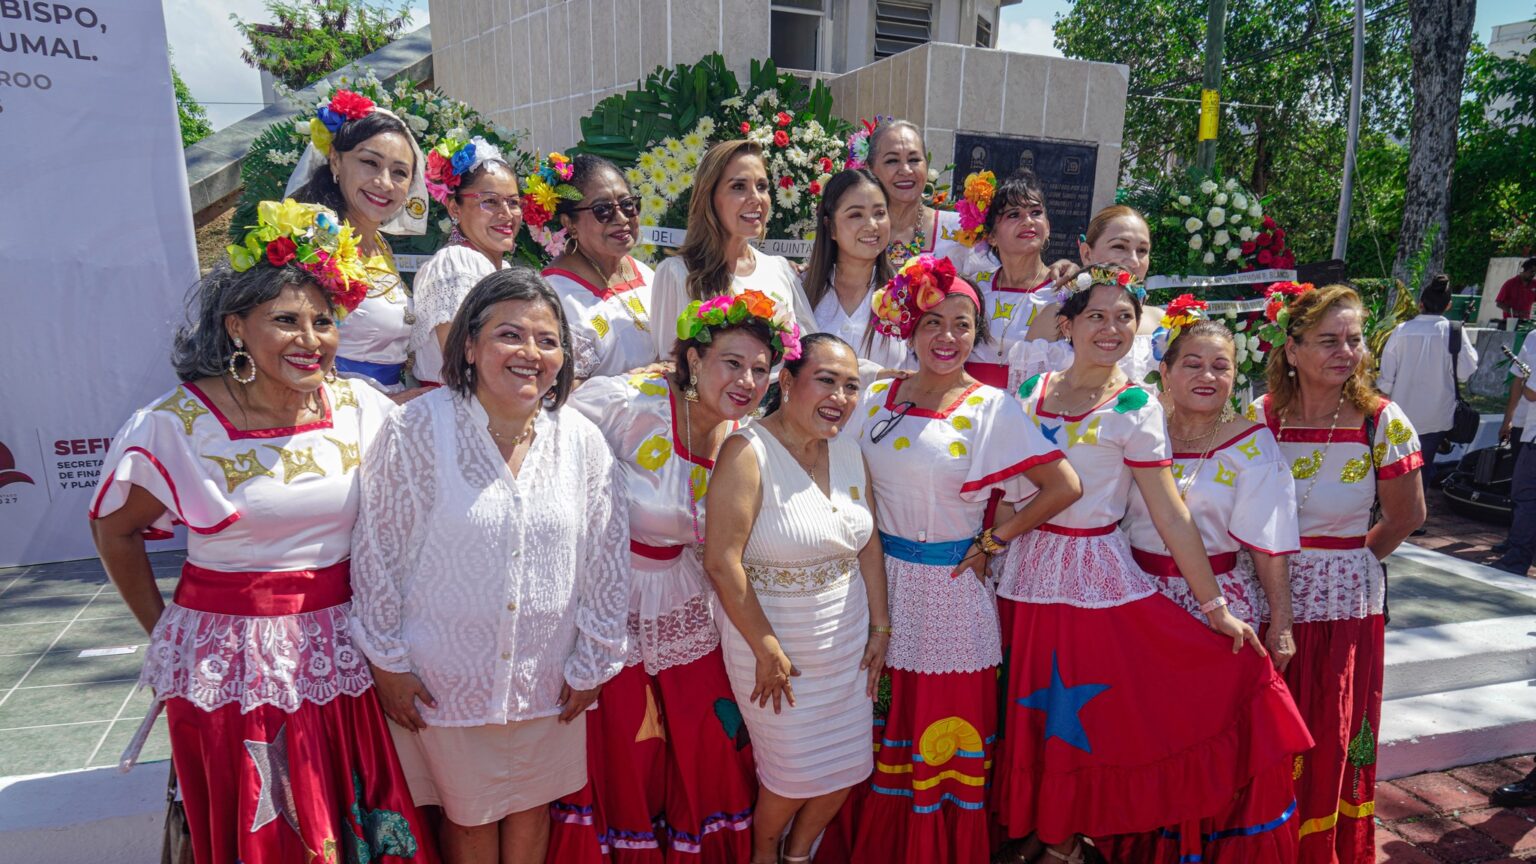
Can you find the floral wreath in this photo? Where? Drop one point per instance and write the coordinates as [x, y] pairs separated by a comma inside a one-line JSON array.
[[980, 187], [543, 190], [702, 317], [1182, 312], [451, 159], [1277, 310], [858, 142], [310, 237], [921, 284], [1103, 274], [329, 117]]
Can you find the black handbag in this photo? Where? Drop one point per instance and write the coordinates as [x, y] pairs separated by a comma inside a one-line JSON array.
[[1464, 420]]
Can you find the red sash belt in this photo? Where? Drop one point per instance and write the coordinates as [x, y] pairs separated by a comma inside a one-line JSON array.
[[283, 592], [655, 553], [990, 374], [1163, 566], [1077, 532], [1333, 542]]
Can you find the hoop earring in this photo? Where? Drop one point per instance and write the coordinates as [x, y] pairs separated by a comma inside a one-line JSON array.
[[691, 392], [331, 377], [570, 244], [235, 360]]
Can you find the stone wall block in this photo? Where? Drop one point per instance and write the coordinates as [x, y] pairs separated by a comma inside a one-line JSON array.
[[1024, 104], [1107, 87], [653, 35], [944, 70], [1066, 95], [981, 97], [695, 29]]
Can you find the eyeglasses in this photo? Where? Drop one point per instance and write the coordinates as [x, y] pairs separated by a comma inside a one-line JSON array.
[[604, 211], [492, 203], [884, 427]]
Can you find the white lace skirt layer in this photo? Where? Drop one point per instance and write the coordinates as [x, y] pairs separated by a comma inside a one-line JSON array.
[[1240, 585], [1094, 572], [1336, 584], [821, 617], [212, 659], [940, 623], [671, 617]]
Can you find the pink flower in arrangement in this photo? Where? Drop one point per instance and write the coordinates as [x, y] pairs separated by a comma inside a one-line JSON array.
[[722, 302], [970, 216], [790, 339]]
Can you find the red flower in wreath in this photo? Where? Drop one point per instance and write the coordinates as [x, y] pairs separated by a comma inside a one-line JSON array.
[[1123, 278], [786, 182], [1182, 305], [781, 138], [1264, 239], [1272, 309], [745, 127], [1250, 247], [534, 214], [1269, 223], [814, 188], [783, 119], [353, 106], [1266, 258], [281, 251], [826, 165]]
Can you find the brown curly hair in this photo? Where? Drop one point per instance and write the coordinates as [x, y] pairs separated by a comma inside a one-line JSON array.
[[1306, 312]]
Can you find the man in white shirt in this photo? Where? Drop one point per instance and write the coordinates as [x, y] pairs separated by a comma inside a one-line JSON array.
[[1416, 371], [1520, 548]]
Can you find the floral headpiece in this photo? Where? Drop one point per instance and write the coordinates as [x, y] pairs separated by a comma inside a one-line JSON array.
[[1280, 296], [1182, 312], [1104, 275], [980, 187], [451, 159], [543, 190], [311, 237], [858, 142], [329, 116], [921, 284], [702, 317]]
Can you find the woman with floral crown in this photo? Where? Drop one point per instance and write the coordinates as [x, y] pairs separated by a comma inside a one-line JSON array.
[[669, 760], [278, 741], [473, 180], [606, 292], [363, 163], [1230, 474], [1349, 448], [950, 460], [1119, 709]]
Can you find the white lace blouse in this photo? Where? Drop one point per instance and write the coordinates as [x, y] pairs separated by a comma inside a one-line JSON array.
[[495, 590], [440, 288]]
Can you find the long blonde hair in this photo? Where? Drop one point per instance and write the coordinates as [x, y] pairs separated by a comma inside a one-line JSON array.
[[1306, 312], [709, 274]]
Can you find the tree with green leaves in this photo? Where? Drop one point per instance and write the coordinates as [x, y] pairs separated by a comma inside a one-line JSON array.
[[310, 39], [193, 117]]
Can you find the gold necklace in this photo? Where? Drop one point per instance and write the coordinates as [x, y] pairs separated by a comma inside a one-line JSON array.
[[1205, 454], [642, 325], [1098, 395], [515, 440], [1323, 457]]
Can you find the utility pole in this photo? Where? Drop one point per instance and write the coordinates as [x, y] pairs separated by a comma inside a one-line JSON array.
[[1210, 94], [1356, 82]]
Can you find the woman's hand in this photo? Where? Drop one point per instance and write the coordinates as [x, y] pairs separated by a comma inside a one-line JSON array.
[[398, 694], [1281, 644], [1062, 272], [898, 374], [1227, 624], [975, 561], [773, 673], [874, 660], [573, 702], [651, 370]]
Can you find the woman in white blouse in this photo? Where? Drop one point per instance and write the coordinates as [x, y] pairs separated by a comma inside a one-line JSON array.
[[847, 264], [487, 214], [490, 575], [729, 209], [899, 159]]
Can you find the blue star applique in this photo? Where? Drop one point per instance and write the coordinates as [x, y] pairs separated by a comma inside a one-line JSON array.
[[1061, 705], [1050, 432]]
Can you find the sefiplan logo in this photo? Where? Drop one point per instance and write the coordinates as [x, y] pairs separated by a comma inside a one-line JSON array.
[[8, 472]]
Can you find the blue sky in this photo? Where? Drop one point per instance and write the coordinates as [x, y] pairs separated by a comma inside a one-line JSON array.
[[207, 48]]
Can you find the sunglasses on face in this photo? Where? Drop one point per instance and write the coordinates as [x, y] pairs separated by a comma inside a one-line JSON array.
[[604, 211], [492, 203]]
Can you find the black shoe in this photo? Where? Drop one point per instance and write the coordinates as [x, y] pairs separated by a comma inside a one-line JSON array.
[[1419, 532], [1515, 568], [1521, 793], [1499, 548]]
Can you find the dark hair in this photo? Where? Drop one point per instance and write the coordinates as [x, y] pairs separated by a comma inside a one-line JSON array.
[[321, 188], [1436, 296], [508, 283], [584, 169], [1528, 263], [478, 173], [1017, 189], [817, 278], [1206, 329], [755, 326], [202, 347], [807, 343], [982, 331], [1074, 305]]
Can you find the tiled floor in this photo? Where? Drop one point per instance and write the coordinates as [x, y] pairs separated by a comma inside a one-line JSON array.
[[70, 654], [1444, 817]]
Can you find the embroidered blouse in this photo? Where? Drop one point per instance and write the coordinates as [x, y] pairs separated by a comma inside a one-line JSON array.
[[495, 590], [379, 329], [440, 288], [610, 327]]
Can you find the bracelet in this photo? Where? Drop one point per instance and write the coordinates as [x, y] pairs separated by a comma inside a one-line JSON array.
[[880, 630], [989, 544], [1212, 604]]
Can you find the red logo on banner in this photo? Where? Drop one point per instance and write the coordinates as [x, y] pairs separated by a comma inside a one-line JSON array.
[[8, 472]]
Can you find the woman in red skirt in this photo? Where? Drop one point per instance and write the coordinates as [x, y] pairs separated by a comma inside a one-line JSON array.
[[1348, 447], [1122, 714], [280, 747]]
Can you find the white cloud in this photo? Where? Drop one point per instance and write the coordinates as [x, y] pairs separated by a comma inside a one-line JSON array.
[[1030, 35]]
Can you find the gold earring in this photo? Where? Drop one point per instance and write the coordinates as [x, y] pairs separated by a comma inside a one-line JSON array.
[[1228, 413], [330, 375], [241, 356], [691, 392]]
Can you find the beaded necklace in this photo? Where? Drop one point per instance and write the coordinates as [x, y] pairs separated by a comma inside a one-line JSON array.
[[898, 253], [1321, 458]]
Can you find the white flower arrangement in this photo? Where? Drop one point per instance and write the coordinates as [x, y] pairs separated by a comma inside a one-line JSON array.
[[1208, 187], [1212, 216]]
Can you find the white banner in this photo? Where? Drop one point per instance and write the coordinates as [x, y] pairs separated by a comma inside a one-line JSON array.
[[674, 237], [96, 254], [1253, 277]]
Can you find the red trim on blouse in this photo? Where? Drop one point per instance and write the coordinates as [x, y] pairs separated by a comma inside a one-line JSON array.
[[1412, 462], [1164, 567], [1314, 435], [933, 234], [679, 446], [890, 402], [1011, 471], [1040, 403], [1077, 532], [1156, 463], [175, 500], [600, 293], [1320, 542], [1225, 444], [279, 432], [1254, 548], [655, 553]]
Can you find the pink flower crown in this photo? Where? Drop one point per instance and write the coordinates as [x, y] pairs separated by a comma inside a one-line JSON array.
[[921, 284], [702, 317]]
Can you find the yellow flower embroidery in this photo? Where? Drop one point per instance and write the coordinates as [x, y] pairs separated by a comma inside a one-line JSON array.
[[1249, 449], [1354, 470], [901, 443], [297, 462], [1224, 476], [648, 386], [879, 387], [1307, 466], [961, 423], [654, 453], [1003, 311], [975, 400], [1379, 454], [957, 449], [342, 389], [600, 326], [1178, 470], [698, 481], [1090, 433], [245, 466], [1397, 433], [873, 410], [186, 409], [1251, 413]]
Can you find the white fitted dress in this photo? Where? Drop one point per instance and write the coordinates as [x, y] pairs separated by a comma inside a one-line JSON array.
[[802, 561]]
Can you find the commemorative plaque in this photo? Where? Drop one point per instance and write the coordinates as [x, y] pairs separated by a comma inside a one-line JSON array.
[[1066, 171]]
